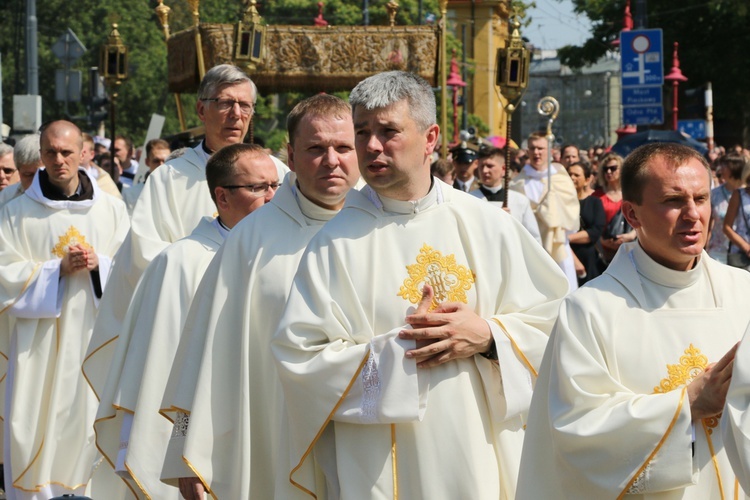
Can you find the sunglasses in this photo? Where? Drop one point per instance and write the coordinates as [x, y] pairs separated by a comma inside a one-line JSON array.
[[611, 169]]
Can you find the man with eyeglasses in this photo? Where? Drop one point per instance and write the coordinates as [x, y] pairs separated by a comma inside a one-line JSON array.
[[225, 361], [173, 201], [241, 178], [7, 166]]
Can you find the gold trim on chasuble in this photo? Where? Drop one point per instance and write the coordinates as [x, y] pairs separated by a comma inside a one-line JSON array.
[[690, 365], [71, 237], [449, 280]]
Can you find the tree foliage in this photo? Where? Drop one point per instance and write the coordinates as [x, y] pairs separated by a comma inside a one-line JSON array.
[[713, 37], [145, 91]]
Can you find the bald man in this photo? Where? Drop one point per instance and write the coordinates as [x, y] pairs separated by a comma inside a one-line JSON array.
[[56, 244]]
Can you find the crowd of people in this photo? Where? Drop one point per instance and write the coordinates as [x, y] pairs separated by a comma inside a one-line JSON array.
[[368, 321]]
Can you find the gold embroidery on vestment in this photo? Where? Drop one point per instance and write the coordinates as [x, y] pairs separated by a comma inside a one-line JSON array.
[[448, 279], [690, 366], [71, 237]]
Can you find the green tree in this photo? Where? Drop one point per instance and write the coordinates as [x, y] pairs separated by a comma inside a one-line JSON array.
[[713, 37]]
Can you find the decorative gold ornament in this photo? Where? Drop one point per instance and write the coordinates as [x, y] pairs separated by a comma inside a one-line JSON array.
[[162, 12], [449, 280], [392, 8], [690, 366], [71, 237]]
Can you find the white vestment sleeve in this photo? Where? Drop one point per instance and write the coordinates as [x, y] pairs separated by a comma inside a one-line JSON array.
[[390, 388], [516, 379], [43, 297], [735, 420]]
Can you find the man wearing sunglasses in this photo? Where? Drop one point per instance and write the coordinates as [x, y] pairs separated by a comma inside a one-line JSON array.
[[172, 203], [7, 167]]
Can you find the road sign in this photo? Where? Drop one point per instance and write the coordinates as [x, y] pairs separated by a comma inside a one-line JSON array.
[[67, 85], [641, 96], [694, 128], [642, 58], [643, 115], [68, 48]]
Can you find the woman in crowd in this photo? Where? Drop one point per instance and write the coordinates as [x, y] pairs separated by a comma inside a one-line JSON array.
[[736, 226], [584, 241], [617, 231], [729, 170]]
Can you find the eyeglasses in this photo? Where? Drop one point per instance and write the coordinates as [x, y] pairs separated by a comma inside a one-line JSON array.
[[8, 171], [226, 105], [257, 189], [611, 169]]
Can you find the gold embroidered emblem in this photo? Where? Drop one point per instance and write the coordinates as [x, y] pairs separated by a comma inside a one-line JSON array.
[[449, 280], [71, 237], [690, 366]]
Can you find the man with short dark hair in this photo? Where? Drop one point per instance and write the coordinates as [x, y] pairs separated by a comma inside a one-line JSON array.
[[383, 398], [491, 169], [638, 364], [129, 429], [56, 245], [569, 155], [242, 452], [103, 179], [157, 152]]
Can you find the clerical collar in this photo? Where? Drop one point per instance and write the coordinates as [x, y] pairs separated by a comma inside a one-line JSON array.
[[434, 197], [661, 275], [310, 209], [537, 174], [221, 227], [84, 191], [493, 190]]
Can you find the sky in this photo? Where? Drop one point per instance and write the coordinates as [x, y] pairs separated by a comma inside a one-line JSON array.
[[554, 24]]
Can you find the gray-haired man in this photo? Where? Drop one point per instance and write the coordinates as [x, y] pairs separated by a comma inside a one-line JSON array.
[[406, 394], [173, 202]]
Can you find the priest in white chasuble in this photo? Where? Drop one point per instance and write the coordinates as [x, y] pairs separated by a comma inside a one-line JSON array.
[[175, 199], [224, 360], [56, 242], [636, 371], [388, 404], [129, 430], [554, 201]]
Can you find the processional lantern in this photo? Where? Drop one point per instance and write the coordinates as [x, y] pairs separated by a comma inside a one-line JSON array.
[[513, 66], [512, 79], [114, 58], [250, 37]]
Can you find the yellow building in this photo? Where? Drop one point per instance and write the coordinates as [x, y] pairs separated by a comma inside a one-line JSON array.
[[486, 25]]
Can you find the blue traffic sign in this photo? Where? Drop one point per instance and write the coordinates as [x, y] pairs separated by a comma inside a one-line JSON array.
[[641, 96], [694, 128], [642, 58], [643, 115]]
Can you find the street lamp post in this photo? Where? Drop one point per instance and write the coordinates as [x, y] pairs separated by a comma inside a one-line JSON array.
[[114, 66], [675, 76]]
